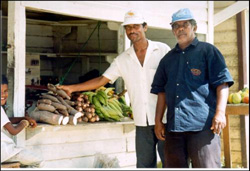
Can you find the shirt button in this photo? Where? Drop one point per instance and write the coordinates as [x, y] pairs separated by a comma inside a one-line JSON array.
[[177, 84], [183, 52], [177, 108], [187, 62], [177, 96]]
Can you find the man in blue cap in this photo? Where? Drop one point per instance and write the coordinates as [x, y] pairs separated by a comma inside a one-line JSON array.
[[192, 81]]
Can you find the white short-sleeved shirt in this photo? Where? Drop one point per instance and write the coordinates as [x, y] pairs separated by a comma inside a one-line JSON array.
[[138, 79], [8, 146]]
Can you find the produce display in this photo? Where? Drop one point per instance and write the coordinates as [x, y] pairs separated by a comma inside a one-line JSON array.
[[57, 108], [108, 105], [241, 96], [53, 108]]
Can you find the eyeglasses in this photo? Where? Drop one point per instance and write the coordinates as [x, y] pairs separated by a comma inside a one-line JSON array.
[[135, 26], [176, 26]]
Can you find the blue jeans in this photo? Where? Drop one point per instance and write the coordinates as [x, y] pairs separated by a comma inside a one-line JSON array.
[[201, 147], [146, 142]]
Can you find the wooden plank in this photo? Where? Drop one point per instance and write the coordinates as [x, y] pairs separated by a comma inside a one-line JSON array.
[[79, 162], [129, 130], [125, 160], [237, 109], [79, 149], [227, 147], [10, 165], [232, 109], [210, 25], [16, 62], [230, 11], [241, 43], [59, 136], [130, 144], [87, 9]]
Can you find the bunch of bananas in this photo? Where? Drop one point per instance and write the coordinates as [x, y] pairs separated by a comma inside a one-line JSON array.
[[108, 105]]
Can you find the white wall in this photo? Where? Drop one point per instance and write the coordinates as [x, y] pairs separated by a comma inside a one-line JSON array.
[[157, 13], [76, 146]]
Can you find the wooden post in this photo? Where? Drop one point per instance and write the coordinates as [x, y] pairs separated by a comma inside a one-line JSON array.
[[227, 146], [16, 62], [210, 32], [242, 58]]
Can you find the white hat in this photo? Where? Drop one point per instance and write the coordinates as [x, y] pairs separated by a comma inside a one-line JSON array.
[[133, 17]]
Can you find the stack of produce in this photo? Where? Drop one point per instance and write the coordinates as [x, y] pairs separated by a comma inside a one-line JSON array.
[[241, 96], [53, 108], [82, 104], [108, 105]]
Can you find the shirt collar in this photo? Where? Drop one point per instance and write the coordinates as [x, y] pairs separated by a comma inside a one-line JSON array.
[[193, 43], [151, 47]]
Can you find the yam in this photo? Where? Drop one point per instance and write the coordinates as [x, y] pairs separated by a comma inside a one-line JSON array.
[[46, 107], [63, 112], [71, 110], [59, 106], [52, 98], [46, 117], [72, 120], [63, 94], [65, 120], [71, 103], [46, 101], [52, 88]]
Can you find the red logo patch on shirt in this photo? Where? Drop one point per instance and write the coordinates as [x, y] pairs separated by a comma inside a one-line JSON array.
[[196, 72]]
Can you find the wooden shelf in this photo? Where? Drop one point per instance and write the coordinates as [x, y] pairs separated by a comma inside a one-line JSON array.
[[232, 109], [237, 109], [69, 54]]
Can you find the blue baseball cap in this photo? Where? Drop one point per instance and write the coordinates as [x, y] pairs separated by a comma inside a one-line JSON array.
[[182, 14]]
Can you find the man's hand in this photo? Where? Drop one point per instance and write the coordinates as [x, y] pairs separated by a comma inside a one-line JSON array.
[[160, 131], [219, 122], [31, 121], [65, 88]]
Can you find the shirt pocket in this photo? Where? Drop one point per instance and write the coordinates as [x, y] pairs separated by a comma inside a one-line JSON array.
[[197, 71]]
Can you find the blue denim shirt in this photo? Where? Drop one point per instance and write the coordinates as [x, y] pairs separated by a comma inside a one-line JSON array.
[[189, 78]]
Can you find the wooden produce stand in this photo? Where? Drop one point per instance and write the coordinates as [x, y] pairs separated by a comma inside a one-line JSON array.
[[232, 109]]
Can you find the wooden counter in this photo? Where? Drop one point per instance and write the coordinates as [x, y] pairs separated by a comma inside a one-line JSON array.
[[75, 146], [232, 109]]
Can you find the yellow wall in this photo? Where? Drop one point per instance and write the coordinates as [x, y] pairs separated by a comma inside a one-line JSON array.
[[225, 39]]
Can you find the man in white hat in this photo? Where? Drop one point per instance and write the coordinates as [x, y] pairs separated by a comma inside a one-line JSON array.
[[137, 66], [193, 81]]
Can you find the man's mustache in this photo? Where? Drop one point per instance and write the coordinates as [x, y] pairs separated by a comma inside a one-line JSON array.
[[132, 34], [181, 33]]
